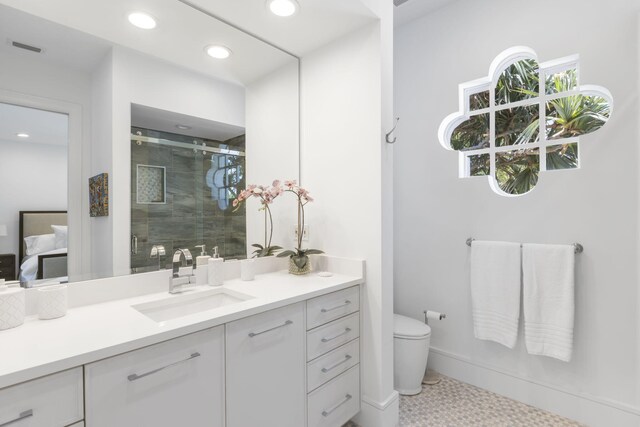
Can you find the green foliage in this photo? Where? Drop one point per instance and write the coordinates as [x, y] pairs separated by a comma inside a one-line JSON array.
[[565, 117], [263, 251], [576, 115], [518, 81], [473, 134], [300, 257]]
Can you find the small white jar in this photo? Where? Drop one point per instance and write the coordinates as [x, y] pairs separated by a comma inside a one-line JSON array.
[[12, 306], [52, 302], [247, 269]]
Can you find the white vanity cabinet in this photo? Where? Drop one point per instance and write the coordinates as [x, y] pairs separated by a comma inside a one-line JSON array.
[[52, 401], [297, 365], [174, 383], [266, 369], [333, 355]]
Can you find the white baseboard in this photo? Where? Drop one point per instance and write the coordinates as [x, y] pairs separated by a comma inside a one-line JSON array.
[[590, 410], [379, 414]]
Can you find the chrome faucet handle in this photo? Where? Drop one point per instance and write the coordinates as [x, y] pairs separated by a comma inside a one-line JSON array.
[[157, 251]]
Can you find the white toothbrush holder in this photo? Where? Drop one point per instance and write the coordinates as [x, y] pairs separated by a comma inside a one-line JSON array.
[[215, 274], [52, 302], [247, 269], [12, 306]]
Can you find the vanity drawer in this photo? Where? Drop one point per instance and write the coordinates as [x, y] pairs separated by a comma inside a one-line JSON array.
[[325, 338], [55, 400], [325, 308], [336, 402], [332, 364], [172, 383]]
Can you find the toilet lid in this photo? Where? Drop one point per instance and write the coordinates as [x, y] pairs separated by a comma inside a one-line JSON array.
[[406, 327]]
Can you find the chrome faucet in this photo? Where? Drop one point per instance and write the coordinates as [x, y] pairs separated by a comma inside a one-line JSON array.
[[181, 258], [158, 251]]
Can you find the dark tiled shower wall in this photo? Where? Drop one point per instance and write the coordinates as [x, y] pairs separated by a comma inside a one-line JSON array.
[[189, 217]]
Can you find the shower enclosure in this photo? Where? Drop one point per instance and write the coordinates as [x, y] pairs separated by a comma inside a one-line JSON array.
[[182, 189]]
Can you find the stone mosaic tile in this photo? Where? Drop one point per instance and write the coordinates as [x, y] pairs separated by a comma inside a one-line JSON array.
[[452, 403]]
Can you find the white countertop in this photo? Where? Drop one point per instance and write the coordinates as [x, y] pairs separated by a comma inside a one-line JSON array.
[[93, 332]]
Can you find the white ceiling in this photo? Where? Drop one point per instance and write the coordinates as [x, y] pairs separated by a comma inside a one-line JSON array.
[[43, 127], [414, 9], [61, 44], [317, 22], [166, 121], [180, 37]]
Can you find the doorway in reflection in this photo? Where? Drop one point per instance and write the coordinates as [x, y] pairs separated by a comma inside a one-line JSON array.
[[33, 201]]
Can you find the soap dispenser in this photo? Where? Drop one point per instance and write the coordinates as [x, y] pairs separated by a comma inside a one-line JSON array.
[[202, 261], [216, 269]]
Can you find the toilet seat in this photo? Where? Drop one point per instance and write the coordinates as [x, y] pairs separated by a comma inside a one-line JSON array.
[[411, 329]]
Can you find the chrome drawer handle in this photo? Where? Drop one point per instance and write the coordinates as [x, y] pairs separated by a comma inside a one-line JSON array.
[[255, 334], [329, 411], [24, 414], [335, 365], [135, 377], [327, 339], [326, 310]]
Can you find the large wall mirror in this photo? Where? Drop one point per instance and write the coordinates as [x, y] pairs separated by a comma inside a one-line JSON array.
[[117, 140]]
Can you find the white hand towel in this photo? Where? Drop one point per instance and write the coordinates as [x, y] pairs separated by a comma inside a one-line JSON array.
[[548, 299], [495, 291]]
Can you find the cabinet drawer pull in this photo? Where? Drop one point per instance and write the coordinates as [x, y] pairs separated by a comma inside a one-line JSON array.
[[345, 332], [326, 310], [329, 411], [335, 365], [134, 377], [255, 334], [24, 414]]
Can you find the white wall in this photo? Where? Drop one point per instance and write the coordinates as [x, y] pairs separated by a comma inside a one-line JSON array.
[[37, 177], [342, 165], [35, 81], [272, 125], [143, 80], [596, 205], [101, 160]]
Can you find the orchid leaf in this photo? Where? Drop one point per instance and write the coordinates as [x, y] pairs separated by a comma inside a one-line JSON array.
[[287, 253]]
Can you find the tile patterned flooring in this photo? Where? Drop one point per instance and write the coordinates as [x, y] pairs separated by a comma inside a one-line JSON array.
[[452, 403]]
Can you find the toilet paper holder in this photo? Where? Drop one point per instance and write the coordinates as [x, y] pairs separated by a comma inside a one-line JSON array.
[[433, 315]]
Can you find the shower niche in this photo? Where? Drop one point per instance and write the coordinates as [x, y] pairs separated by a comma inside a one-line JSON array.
[[185, 173]]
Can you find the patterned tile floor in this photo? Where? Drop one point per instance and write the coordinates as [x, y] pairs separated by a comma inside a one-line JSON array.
[[452, 403]]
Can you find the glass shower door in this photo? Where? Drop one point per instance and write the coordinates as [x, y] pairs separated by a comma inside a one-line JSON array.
[[181, 197]]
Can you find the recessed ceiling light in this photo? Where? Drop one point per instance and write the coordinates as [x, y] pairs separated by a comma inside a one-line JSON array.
[[218, 51], [142, 20], [22, 135], [183, 127], [283, 7]]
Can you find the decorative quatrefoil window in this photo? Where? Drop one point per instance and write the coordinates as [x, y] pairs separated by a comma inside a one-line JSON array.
[[523, 119]]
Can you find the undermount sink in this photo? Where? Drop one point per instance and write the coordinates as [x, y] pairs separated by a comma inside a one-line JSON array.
[[188, 304]]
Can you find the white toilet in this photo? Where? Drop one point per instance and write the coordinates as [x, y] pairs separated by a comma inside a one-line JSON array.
[[410, 351]]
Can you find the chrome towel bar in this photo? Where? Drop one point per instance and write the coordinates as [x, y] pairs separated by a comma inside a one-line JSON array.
[[578, 248]]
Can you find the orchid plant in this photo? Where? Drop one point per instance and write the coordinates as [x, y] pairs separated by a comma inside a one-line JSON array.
[[266, 194], [299, 256]]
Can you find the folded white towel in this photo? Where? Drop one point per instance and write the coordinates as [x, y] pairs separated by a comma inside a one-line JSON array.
[[548, 299], [495, 291]]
